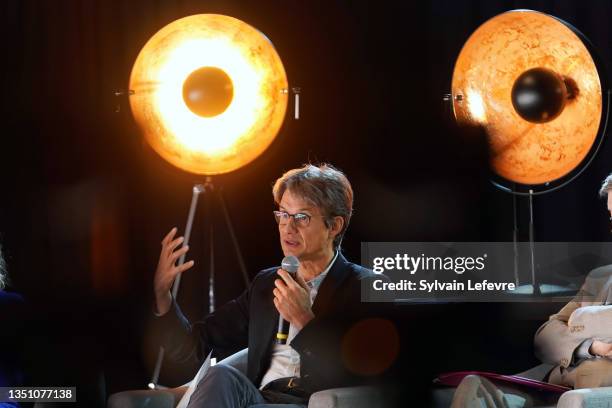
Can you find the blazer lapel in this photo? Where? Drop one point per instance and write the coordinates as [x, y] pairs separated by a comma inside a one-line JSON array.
[[338, 273], [267, 320], [260, 350], [271, 324]]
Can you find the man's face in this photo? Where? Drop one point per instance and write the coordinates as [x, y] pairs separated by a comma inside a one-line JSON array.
[[305, 242], [610, 203]]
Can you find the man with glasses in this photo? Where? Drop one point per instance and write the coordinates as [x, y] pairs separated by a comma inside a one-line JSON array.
[[323, 301]]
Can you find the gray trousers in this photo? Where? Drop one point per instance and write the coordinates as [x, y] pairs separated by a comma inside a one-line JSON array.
[[226, 387]]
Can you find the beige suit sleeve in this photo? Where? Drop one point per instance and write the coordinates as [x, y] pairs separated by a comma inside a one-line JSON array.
[[555, 342], [593, 321]]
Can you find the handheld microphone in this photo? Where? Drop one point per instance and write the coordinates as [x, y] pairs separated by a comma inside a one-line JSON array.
[[290, 265]]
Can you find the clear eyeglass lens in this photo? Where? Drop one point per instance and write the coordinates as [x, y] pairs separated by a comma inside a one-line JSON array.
[[283, 218], [301, 219]]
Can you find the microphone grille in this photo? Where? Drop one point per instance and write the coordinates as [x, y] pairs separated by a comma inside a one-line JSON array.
[[290, 264]]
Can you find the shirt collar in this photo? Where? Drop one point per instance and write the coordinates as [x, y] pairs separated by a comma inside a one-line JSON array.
[[315, 282]]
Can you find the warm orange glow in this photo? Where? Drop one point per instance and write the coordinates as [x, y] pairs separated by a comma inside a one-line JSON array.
[[370, 346], [476, 106], [231, 139], [494, 56]]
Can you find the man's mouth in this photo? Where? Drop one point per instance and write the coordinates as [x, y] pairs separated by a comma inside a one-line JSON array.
[[291, 243]]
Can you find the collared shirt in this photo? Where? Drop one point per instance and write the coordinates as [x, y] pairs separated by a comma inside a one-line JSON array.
[[285, 360]]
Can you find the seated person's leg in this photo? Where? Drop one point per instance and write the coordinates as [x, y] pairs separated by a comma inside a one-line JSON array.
[[225, 387]]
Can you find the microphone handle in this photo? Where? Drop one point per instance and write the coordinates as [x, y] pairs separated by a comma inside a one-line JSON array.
[[283, 331], [283, 325]]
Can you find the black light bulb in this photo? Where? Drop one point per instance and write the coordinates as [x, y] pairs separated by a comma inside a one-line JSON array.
[[539, 95]]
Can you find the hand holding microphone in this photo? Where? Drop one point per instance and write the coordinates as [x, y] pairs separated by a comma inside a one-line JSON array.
[[291, 298]]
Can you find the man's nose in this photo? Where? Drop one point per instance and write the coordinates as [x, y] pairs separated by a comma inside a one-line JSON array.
[[290, 224]]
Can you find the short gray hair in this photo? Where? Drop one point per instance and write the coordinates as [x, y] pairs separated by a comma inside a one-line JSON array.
[[606, 186], [3, 276], [323, 186]]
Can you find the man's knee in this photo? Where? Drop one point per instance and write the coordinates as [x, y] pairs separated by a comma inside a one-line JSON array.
[[224, 386], [223, 372]]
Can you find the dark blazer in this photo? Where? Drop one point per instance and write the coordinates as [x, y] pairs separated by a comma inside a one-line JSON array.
[[251, 321]]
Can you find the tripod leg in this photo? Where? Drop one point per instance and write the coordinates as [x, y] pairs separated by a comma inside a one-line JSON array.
[[157, 369], [536, 287], [515, 238], [197, 190], [230, 228], [211, 276]]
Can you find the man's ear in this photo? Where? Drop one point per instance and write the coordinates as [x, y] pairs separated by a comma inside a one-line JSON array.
[[337, 225]]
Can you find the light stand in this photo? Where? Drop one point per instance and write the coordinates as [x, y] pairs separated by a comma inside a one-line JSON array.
[[534, 288], [491, 89], [209, 188], [209, 93]]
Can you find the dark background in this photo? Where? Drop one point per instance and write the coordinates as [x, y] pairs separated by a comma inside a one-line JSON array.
[[85, 202]]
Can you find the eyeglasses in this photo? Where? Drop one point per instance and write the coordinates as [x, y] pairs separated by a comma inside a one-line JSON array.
[[300, 219]]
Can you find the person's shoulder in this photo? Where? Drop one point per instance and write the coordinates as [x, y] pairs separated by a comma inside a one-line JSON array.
[[359, 272], [362, 274], [604, 271], [266, 274], [598, 280], [10, 298]]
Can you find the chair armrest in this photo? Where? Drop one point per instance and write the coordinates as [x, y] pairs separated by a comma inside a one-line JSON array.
[[586, 398], [146, 398], [167, 398], [351, 397], [536, 373]]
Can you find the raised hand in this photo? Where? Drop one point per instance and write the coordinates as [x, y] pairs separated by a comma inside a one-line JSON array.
[[167, 270]]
